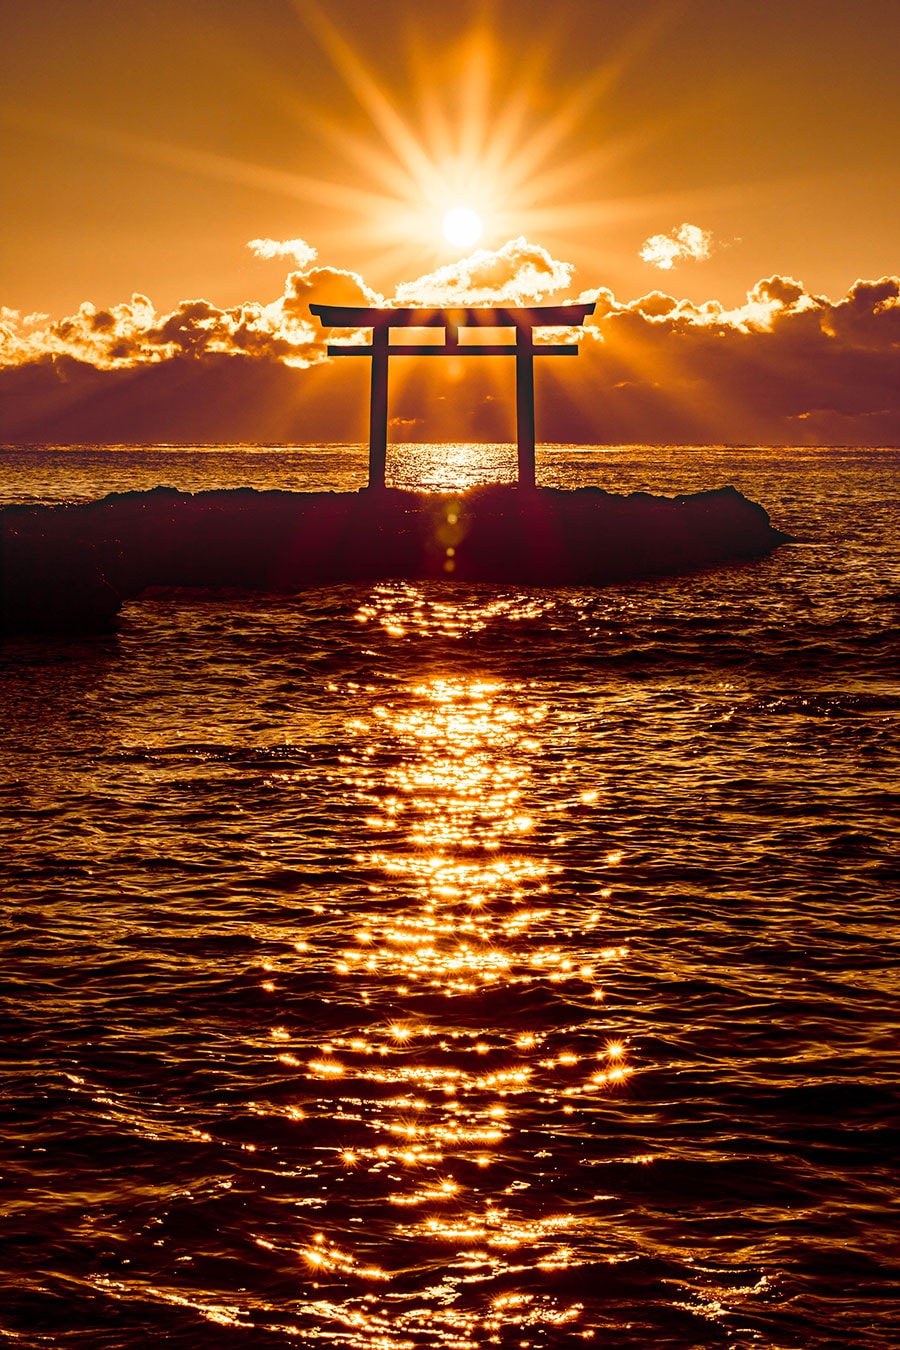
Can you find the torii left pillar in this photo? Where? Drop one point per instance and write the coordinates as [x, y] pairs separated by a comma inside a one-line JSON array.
[[378, 408]]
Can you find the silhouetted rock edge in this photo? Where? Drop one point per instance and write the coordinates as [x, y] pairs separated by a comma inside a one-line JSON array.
[[70, 568]]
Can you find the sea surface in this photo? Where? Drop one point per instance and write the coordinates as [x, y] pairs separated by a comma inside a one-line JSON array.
[[397, 966]]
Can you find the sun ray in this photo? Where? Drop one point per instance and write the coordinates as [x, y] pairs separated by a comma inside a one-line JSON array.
[[372, 97], [392, 175], [227, 168], [475, 95], [451, 159], [475, 127]]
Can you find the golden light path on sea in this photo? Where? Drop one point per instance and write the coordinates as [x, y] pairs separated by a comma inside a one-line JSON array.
[[464, 913]]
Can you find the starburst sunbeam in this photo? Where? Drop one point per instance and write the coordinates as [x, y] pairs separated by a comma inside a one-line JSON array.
[[470, 133]]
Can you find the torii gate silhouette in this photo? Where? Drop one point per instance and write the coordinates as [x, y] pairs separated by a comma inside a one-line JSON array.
[[523, 319]]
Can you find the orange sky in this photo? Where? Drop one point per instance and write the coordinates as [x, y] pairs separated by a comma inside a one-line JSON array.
[[145, 144]]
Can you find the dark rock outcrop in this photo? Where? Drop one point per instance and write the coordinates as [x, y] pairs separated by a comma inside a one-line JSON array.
[[69, 568]]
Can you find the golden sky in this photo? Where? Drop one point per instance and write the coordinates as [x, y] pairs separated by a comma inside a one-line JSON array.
[[714, 172]]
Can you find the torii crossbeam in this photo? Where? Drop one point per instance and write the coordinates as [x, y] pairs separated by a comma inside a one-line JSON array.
[[523, 319]]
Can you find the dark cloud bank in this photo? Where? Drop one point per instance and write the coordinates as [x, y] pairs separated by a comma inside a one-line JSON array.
[[788, 367]]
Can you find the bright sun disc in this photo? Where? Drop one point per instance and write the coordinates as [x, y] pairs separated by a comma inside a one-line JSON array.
[[462, 227]]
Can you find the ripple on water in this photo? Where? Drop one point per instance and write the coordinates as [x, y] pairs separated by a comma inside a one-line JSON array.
[[411, 966]]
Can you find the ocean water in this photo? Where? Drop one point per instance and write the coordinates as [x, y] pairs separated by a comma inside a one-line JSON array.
[[407, 966]]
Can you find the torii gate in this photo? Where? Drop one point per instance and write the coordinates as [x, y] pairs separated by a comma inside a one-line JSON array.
[[524, 320]]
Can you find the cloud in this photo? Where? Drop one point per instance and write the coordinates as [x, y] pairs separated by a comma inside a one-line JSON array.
[[784, 292], [519, 273], [299, 250], [686, 241], [327, 285], [109, 337], [786, 366], [870, 315], [133, 334]]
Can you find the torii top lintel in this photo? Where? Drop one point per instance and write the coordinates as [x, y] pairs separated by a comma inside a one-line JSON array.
[[522, 318], [499, 316]]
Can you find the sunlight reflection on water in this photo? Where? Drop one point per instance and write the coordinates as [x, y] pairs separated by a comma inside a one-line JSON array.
[[445, 1089], [450, 467]]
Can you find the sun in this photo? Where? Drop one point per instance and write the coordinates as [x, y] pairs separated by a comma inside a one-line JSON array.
[[455, 154], [462, 227]]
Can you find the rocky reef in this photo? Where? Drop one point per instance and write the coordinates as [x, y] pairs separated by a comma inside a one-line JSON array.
[[70, 568]]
